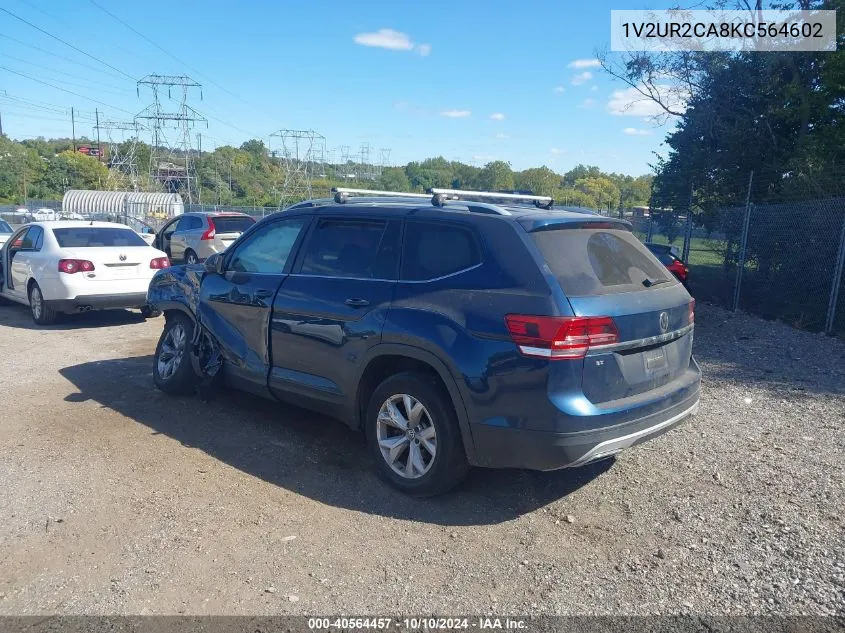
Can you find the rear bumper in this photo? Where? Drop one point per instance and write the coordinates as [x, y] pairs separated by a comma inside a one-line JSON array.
[[84, 303], [497, 447]]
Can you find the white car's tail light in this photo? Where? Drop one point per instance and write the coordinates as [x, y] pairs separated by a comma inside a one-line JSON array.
[[71, 266], [159, 262]]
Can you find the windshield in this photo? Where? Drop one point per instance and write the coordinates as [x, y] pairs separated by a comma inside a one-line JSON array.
[[4, 227], [232, 223], [93, 236], [588, 262]]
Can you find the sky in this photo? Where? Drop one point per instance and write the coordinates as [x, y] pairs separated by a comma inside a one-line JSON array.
[[470, 81]]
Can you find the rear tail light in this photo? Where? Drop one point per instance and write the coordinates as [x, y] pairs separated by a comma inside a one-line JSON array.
[[209, 232], [71, 266], [692, 311], [159, 262], [560, 337]]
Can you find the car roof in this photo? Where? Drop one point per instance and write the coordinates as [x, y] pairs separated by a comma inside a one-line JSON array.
[[216, 213], [75, 224], [404, 207]]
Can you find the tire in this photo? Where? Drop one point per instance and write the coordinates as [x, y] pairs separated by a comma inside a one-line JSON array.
[[149, 313], [440, 472], [174, 345], [191, 257], [41, 312]]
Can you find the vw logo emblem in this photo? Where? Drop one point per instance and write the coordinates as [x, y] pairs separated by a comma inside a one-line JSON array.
[[664, 322], [122, 257]]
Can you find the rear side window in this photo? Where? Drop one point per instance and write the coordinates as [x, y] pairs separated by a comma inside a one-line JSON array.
[[92, 236], [194, 223], [350, 248], [436, 250], [588, 262], [232, 224]]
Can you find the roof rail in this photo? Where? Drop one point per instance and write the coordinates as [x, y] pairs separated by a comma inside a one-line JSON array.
[[341, 194], [441, 195]]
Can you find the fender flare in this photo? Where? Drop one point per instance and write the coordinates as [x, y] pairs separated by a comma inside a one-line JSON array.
[[164, 306], [446, 375]]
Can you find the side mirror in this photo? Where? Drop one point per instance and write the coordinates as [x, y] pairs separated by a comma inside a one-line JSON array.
[[214, 264]]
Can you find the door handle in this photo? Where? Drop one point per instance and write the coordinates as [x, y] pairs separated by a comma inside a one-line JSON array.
[[357, 303]]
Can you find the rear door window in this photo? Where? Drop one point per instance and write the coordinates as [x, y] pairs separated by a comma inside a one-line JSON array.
[[437, 250], [357, 248], [589, 262]]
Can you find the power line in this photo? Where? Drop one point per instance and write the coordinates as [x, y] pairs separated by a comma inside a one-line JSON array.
[[58, 39], [75, 94], [62, 57], [67, 74], [188, 66]]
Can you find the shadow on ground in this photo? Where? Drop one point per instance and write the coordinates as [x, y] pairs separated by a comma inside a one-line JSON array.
[[17, 315], [309, 454]]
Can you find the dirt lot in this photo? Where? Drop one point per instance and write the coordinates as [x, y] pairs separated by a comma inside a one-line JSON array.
[[118, 499]]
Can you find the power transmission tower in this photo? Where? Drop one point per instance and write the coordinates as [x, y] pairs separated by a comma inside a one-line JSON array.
[[383, 160], [296, 154], [122, 153], [171, 154], [345, 171], [365, 169]]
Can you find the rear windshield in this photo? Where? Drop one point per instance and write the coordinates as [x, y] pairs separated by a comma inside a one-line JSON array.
[[232, 223], [91, 236], [5, 228], [589, 262]]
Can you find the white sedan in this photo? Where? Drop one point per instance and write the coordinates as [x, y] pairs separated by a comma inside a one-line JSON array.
[[70, 267]]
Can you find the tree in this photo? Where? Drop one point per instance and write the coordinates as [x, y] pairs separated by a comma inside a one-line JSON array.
[[72, 170], [394, 179], [541, 181], [496, 176], [601, 189]]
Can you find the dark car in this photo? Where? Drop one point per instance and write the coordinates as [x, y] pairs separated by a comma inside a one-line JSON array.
[[453, 334], [668, 256]]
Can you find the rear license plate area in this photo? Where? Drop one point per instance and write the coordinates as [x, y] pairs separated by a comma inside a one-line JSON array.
[[655, 361]]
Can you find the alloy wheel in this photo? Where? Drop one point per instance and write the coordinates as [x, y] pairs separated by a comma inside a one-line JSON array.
[[406, 436], [171, 352]]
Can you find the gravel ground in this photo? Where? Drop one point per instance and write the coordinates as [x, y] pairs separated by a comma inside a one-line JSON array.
[[116, 499]]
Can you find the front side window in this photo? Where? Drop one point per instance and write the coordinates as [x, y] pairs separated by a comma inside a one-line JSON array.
[[268, 249], [350, 248], [436, 250]]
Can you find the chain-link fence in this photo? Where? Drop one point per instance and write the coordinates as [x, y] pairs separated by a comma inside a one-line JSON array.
[[781, 259]]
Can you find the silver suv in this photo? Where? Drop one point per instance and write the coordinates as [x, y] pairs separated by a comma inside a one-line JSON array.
[[193, 237]]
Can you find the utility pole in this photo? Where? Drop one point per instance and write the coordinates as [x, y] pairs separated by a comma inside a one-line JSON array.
[[97, 119], [73, 128], [199, 160]]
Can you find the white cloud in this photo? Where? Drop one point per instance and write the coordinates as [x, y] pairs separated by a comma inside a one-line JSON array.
[[631, 102], [559, 89], [501, 135], [391, 40], [587, 103], [456, 114], [580, 64], [632, 131], [557, 151], [594, 89], [497, 116], [581, 78]]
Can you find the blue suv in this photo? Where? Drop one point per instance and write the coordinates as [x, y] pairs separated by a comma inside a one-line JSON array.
[[453, 331]]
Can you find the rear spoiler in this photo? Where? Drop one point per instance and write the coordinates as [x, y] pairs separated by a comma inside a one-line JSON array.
[[552, 224]]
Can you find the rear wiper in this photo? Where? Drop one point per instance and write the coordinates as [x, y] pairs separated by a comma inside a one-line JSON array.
[[648, 283]]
